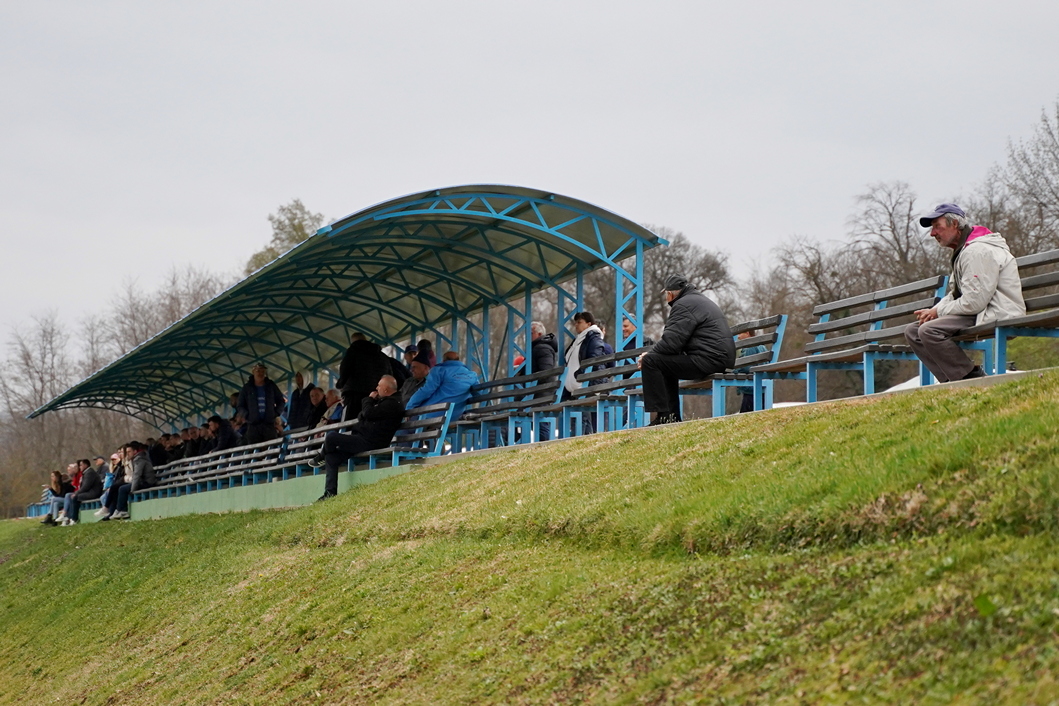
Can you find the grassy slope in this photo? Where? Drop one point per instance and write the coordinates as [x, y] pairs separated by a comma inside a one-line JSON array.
[[891, 550]]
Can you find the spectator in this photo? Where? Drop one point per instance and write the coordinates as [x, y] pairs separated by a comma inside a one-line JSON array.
[[115, 478], [695, 344], [543, 348], [207, 440], [747, 404], [334, 410], [58, 488], [984, 287], [193, 445], [301, 407], [176, 448], [261, 404], [101, 466], [361, 368], [233, 400], [449, 382], [319, 407], [156, 450], [76, 471], [380, 415], [628, 328], [139, 476], [543, 352], [425, 345], [91, 488], [224, 437], [420, 370], [409, 355], [587, 344]]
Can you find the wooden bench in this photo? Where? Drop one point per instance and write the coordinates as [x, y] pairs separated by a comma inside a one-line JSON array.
[[853, 334], [769, 335], [243, 465], [1040, 276], [500, 412], [424, 429], [602, 393]]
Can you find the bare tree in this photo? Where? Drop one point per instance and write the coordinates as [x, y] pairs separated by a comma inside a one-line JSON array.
[[888, 238], [1032, 177]]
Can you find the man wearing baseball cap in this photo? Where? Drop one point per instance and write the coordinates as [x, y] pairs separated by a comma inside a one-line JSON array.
[[695, 344], [984, 287]]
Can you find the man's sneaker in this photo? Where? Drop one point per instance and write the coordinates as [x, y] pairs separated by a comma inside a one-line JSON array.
[[62, 517], [317, 461], [325, 496], [976, 372], [71, 523], [120, 515], [65, 521], [100, 512]]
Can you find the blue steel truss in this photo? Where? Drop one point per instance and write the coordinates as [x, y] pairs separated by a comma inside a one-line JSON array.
[[445, 263]]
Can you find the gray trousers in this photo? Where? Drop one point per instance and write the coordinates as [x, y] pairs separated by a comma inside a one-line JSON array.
[[932, 343]]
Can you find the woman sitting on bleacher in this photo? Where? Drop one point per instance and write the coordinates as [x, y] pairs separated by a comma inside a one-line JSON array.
[[59, 487]]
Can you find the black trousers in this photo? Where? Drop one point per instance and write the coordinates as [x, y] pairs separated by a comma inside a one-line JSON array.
[[260, 431], [662, 375], [338, 449]]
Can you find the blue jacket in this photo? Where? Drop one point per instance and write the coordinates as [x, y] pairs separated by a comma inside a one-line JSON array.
[[449, 382]]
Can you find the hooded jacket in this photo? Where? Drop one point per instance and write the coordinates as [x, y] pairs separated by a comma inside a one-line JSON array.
[[985, 280], [543, 352], [697, 328], [449, 382]]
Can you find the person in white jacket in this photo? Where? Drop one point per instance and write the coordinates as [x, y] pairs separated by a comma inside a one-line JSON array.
[[984, 287]]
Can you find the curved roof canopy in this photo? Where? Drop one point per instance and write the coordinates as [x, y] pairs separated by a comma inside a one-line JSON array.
[[391, 271]]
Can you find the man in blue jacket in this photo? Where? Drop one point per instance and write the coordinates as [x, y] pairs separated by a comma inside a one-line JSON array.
[[449, 382]]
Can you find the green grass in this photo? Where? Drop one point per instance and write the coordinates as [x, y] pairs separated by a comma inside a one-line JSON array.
[[897, 550]]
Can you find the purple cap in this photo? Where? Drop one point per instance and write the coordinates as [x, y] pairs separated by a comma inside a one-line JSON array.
[[940, 210]]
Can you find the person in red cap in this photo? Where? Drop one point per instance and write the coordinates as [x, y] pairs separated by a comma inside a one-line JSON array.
[[984, 287]]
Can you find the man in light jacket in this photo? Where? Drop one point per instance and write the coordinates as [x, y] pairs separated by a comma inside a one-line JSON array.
[[984, 287]]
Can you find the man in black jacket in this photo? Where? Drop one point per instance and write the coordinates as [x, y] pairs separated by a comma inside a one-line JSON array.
[[91, 488], [301, 407], [359, 373], [224, 437], [695, 344], [380, 415], [261, 404]]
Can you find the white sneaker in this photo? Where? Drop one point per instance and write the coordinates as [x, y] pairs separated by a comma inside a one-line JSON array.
[[100, 512], [71, 523], [64, 521], [120, 515], [62, 517]]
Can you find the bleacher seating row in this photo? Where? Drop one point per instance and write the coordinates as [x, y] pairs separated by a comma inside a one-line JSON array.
[[849, 334]]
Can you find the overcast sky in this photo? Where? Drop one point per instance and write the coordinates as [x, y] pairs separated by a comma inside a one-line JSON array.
[[138, 136]]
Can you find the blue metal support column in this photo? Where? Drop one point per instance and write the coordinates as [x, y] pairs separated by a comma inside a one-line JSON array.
[[629, 287]]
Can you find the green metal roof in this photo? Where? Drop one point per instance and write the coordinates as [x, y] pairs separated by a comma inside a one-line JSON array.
[[390, 271]]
